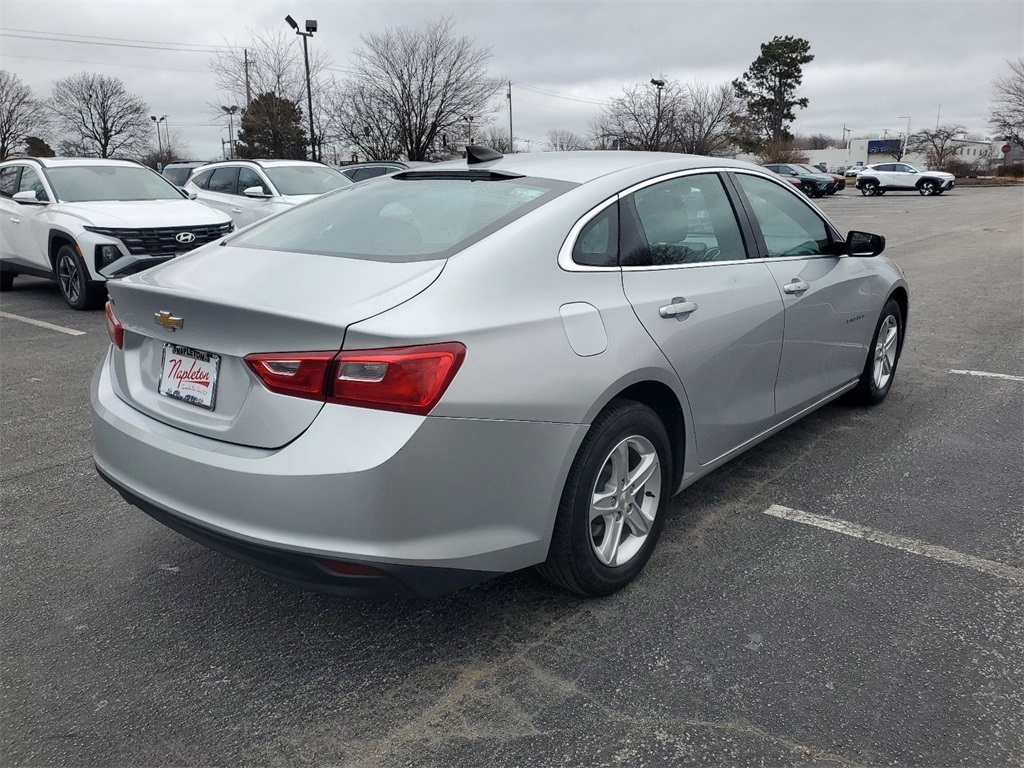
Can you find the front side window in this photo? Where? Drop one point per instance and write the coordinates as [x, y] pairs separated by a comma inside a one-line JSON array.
[[223, 181], [9, 180], [403, 219], [30, 182], [247, 177], [93, 183], [789, 226], [685, 221], [202, 180], [306, 179], [906, 169]]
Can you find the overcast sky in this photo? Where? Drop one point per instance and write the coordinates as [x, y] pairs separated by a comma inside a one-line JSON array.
[[874, 61]]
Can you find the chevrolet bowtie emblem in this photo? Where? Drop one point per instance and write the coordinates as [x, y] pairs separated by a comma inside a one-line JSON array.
[[168, 321]]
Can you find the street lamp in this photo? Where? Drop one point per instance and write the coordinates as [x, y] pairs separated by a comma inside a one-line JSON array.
[[310, 29], [230, 112], [659, 84], [156, 124]]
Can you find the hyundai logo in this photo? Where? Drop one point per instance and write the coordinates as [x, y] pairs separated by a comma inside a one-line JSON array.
[[184, 237]]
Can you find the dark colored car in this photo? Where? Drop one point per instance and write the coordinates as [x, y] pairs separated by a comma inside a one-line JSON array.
[[813, 184], [369, 170]]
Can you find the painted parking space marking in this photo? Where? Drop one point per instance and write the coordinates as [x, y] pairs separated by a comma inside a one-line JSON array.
[[914, 546], [1006, 376], [42, 324]]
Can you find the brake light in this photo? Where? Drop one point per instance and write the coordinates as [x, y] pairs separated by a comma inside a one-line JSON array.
[[114, 328], [405, 379], [299, 374]]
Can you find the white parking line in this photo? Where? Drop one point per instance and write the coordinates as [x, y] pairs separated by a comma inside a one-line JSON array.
[[913, 546], [1006, 376], [43, 324]]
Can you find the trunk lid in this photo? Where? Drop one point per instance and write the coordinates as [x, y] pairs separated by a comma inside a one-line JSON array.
[[232, 302]]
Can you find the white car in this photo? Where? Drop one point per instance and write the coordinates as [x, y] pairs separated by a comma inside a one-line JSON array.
[[249, 190], [891, 177], [81, 221]]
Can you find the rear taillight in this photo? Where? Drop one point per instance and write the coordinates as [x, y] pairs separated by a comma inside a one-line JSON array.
[[405, 379], [114, 329]]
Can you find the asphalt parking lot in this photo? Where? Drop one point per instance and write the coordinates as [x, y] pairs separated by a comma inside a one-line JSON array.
[[850, 592]]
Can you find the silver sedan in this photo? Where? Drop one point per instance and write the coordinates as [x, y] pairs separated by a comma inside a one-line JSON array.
[[463, 370]]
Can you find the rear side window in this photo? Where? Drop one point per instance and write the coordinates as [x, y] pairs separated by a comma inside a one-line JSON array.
[[685, 221], [223, 181], [9, 180], [403, 219], [598, 242]]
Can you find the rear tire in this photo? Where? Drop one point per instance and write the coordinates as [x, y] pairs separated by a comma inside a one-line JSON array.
[[869, 188], [883, 356], [614, 503], [73, 278], [6, 280]]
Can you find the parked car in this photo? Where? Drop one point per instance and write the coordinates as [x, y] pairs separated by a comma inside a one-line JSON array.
[[463, 370], [852, 172], [893, 177], [80, 221], [371, 169], [249, 190], [178, 172], [812, 183], [839, 179]]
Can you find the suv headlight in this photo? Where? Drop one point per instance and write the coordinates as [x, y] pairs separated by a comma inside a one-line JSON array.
[[106, 255]]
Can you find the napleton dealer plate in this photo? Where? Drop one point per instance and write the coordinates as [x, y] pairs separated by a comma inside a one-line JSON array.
[[190, 375]]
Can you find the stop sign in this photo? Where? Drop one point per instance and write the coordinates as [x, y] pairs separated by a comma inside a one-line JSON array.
[[1006, 149]]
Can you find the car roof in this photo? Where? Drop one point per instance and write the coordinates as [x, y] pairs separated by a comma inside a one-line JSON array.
[[268, 163], [57, 162], [581, 167]]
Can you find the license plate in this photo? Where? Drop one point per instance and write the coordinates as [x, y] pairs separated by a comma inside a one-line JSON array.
[[189, 375]]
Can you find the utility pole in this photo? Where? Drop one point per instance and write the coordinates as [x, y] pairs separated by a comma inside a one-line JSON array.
[[511, 136], [230, 112], [248, 89]]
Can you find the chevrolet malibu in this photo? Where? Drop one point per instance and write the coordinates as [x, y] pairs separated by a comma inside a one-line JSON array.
[[459, 371]]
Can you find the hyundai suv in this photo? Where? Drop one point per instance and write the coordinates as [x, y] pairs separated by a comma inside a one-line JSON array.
[[82, 221], [249, 190], [892, 177]]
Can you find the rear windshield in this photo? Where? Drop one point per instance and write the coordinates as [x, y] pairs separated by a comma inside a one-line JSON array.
[[84, 183], [403, 219], [178, 175], [306, 179]]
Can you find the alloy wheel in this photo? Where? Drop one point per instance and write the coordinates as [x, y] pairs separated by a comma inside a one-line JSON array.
[[69, 277], [885, 351], [625, 501]]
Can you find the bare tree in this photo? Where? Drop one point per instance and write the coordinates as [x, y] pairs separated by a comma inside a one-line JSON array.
[[706, 127], [566, 141], [816, 141], [495, 138], [98, 117], [781, 150], [938, 145], [1007, 115], [20, 114], [364, 124], [645, 117], [417, 85], [171, 150]]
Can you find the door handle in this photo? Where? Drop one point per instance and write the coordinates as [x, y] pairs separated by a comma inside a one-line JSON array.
[[797, 286], [679, 308], [236, 210], [15, 221]]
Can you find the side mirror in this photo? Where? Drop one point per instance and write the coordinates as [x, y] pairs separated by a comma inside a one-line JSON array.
[[254, 192], [28, 197], [864, 244], [191, 195]]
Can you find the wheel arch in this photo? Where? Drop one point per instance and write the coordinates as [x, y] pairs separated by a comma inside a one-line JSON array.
[[901, 297], [58, 238]]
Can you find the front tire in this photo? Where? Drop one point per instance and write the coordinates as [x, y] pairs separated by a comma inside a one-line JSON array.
[[928, 188], [73, 278], [880, 369], [869, 188], [614, 503]]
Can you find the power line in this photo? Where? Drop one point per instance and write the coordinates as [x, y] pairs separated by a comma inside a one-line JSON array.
[[104, 63], [157, 47], [559, 95], [101, 37]]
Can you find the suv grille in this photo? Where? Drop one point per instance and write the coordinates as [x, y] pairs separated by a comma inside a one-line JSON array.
[[163, 240]]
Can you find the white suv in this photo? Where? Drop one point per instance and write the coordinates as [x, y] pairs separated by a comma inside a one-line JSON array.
[[889, 177], [81, 221], [249, 190]]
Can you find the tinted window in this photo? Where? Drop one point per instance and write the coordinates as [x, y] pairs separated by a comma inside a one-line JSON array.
[[177, 176], [306, 179], [223, 181], [789, 226], [76, 184], [358, 174], [202, 180], [598, 242], [247, 177], [685, 221], [9, 180], [402, 219], [30, 182]]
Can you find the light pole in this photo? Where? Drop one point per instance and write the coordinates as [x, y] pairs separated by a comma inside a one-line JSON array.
[[230, 112], [469, 119], [310, 29], [906, 138], [659, 84], [156, 124]]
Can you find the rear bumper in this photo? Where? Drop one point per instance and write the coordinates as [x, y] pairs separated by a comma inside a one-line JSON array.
[[392, 491]]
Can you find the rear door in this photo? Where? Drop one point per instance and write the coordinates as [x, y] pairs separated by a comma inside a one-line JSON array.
[[716, 315], [221, 192], [829, 305]]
